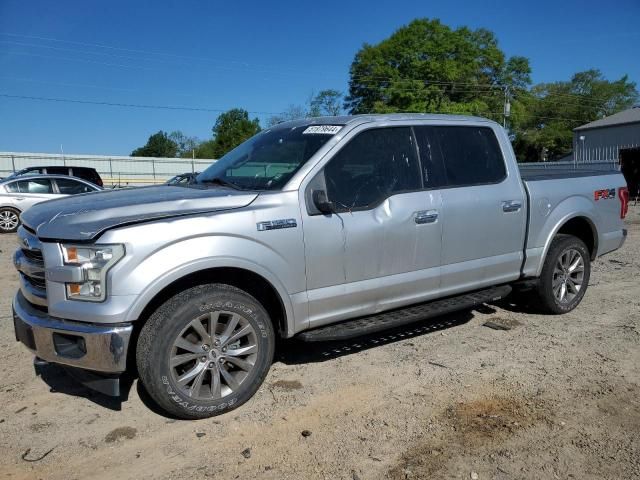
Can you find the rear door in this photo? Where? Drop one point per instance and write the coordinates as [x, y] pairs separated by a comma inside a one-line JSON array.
[[381, 249], [484, 211], [30, 191]]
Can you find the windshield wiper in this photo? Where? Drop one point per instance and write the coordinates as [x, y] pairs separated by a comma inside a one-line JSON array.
[[222, 182]]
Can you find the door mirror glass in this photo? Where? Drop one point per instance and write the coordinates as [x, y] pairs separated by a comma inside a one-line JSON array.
[[322, 203]]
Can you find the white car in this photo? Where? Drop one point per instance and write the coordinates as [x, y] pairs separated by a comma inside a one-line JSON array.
[[18, 194]]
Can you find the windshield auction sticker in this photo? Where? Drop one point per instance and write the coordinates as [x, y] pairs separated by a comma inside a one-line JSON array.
[[322, 129]]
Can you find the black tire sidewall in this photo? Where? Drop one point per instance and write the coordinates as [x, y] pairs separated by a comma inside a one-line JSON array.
[[159, 333], [545, 289], [17, 212]]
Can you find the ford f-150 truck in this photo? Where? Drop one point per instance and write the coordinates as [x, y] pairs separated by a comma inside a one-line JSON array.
[[324, 229]]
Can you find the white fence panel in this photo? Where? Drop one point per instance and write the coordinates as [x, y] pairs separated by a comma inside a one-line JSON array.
[[114, 170]]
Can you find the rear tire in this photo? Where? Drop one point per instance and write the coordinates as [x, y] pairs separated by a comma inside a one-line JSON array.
[[565, 275], [205, 351], [9, 220]]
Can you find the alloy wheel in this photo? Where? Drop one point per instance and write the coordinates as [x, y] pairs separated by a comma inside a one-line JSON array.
[[213, 355], [568, 276], [8, 220]]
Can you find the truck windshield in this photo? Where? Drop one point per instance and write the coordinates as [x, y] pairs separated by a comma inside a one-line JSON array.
[[268, 160]]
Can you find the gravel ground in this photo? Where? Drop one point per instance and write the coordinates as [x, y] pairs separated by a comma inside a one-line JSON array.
[[553, 397]]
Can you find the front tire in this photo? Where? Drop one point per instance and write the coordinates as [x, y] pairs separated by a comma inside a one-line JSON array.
[[565, 275], [205, 351], [9, 220]]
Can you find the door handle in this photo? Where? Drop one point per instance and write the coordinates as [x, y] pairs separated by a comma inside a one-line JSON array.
[[511, 206], [426, 216]]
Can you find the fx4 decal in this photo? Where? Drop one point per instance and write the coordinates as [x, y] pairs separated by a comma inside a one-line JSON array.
[[604, 194]]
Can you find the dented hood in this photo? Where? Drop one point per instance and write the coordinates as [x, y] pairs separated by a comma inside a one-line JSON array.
[[85, 217]]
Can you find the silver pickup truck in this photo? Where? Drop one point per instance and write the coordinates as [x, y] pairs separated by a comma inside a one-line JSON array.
[[323, 229]]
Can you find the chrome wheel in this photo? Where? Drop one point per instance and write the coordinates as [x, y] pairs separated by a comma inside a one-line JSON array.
[[568, 276], [213, 355], [9, 220]]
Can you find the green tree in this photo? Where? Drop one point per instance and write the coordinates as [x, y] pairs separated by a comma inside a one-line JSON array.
[[326, 103], [231, 129], [186, 145], [429, 67], [550, 112], [293, 112], [206, 149], [158, 145]]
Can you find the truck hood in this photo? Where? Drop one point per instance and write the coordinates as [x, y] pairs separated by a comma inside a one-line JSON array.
[[85, 217]]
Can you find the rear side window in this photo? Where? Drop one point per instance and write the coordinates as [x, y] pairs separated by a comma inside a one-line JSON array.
[[471, 155], [72, 187], [36, 185], [58, 170], [374, 165]]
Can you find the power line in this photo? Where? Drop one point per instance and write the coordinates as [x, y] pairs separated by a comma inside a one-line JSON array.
[[217, 110], [246, 66], [243, 64], [128, 105]]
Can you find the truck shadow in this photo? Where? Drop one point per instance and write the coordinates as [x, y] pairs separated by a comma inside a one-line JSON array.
[[60, 380], [289, 352], [296, 352]]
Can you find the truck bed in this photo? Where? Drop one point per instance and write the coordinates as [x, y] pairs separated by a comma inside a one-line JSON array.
[[531, 172]]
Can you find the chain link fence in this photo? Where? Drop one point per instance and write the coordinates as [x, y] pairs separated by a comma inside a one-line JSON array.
[[114, 170]]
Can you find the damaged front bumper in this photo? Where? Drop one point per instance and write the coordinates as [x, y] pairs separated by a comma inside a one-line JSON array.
[[101, 350]]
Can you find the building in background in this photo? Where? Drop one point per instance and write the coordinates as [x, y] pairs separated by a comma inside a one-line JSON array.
[[615, 139]]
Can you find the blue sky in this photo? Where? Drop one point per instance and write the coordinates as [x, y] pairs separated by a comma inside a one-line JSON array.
[[261, 56]]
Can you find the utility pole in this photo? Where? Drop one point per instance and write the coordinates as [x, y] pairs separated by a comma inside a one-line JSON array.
[[507, 107]]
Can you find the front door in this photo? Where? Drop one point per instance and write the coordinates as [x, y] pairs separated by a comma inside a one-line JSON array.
[[381, 247]]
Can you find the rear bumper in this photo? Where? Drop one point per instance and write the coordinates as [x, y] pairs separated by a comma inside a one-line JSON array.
[[101, 348], [612, 241]]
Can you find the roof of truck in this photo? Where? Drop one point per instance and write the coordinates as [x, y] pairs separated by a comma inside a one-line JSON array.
[[365, 118]]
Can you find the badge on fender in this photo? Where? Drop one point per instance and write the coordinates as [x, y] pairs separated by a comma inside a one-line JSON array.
[[277, 224]]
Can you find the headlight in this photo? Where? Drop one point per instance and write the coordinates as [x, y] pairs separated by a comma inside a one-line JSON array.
[[94, 261]]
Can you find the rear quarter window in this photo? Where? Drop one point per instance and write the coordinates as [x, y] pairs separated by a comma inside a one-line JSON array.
[[471, 155], [86, 174], [58, 170], [12, 187]]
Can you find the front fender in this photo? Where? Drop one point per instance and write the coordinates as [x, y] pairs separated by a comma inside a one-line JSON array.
[[159, 253], [196, 265]]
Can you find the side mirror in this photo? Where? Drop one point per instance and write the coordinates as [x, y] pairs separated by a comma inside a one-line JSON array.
[[322, 203]]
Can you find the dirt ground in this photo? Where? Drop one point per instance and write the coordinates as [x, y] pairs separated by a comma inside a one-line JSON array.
[[552, 397]]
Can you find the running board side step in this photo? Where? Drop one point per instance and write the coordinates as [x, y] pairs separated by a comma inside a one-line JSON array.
[[396, 318]]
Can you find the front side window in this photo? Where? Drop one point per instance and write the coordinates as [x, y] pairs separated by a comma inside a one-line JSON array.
[[373, 166], [36, 185], [268, 160], [471, 155], [72, 187]]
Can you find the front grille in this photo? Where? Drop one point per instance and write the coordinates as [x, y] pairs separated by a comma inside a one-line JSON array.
[[30, 263], [35, 255], [37, 282]]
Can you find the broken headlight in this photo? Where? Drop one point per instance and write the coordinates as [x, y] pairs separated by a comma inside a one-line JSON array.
[[94, 263]]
